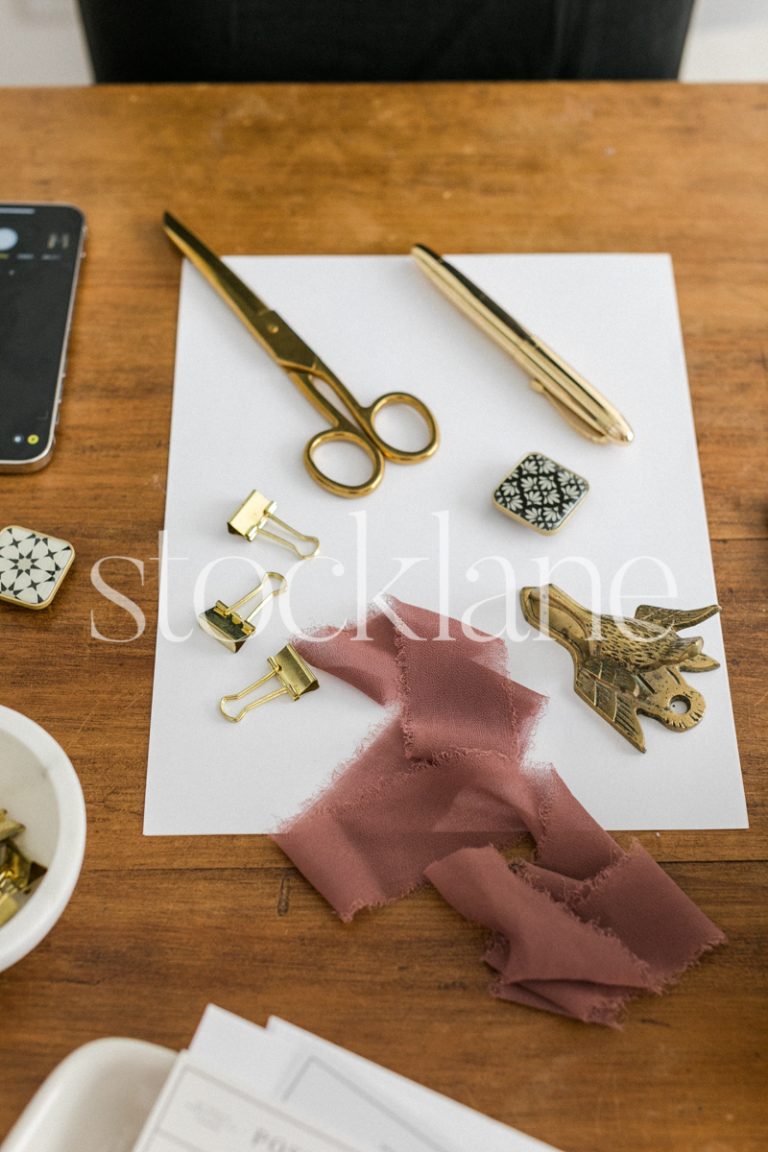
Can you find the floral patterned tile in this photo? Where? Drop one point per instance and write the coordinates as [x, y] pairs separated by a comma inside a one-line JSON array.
[[32, 566], [540, 492]]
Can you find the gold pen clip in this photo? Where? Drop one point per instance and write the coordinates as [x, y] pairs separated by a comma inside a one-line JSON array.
[[577, 401], [295, 676], [225, 623], [256, 512]]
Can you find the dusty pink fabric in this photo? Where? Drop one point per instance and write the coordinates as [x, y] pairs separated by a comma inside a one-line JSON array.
[[443, 784]]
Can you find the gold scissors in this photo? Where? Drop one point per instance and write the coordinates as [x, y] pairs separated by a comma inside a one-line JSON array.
[[354, 425]]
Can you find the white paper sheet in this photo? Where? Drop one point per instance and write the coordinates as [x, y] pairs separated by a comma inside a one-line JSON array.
[[239, 423], [310, 1086], [200, 1111], [344, 1093]]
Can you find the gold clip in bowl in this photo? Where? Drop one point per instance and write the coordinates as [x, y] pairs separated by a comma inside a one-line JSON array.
[[252, 516], [18, 869], [18, 873], [295, 676], [8, 827], [226, 625], [11, 900]]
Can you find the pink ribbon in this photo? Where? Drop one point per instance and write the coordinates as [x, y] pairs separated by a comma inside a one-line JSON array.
[[445, 783]]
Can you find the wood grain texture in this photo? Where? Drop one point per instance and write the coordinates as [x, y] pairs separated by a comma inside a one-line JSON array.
[[158, 927]]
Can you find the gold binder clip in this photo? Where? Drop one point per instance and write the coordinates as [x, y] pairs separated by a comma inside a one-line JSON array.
[[17, 869], [18, 874], [252, 516], [295, 676], [11, 900], [226, 625], [8, 826]]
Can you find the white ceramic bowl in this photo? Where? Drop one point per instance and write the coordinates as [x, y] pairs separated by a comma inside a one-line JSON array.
[[40, 789], [96, 1100]]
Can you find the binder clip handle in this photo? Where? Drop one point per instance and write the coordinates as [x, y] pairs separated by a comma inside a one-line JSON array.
[[278, 585], [295, 677], [251, 520]]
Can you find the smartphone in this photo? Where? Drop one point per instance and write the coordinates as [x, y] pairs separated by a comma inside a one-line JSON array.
[[41, 246]]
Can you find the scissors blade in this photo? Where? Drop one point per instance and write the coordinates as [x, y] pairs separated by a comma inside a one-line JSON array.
[[243, 302]]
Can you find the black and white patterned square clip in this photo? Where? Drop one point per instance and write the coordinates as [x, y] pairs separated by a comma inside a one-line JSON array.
[[32, 566], [540, 492]]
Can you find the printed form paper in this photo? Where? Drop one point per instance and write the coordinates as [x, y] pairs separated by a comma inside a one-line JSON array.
[[430, 534], [357, 1100], [198, 1111]]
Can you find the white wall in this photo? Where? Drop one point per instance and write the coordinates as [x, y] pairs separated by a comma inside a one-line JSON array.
[[727, 40], [41, 42]]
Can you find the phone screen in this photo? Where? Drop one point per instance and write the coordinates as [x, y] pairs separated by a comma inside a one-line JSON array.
[[40, 249]]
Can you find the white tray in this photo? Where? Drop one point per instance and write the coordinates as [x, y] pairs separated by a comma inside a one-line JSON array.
[[96, 1100]]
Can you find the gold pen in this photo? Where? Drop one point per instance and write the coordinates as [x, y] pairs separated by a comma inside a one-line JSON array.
[[577, 401]]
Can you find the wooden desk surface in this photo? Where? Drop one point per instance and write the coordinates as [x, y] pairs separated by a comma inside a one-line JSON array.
[[158, 927]]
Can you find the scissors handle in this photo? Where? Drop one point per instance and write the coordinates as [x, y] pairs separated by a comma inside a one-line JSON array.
[[364, 436], [353, 423], [402, 455], [345, 435]]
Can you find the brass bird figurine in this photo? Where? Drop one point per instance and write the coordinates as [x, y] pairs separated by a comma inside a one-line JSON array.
[[627, 665]]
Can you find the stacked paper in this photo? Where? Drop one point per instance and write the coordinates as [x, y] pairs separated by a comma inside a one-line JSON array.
[[241, 1087]]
